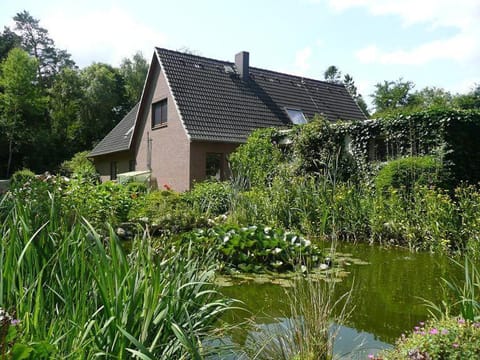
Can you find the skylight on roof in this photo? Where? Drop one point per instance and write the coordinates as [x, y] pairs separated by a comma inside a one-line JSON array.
[[228, 69], [296, 116], [128, 132]]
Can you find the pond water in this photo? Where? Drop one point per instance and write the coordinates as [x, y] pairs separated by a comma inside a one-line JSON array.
[[388, 291]]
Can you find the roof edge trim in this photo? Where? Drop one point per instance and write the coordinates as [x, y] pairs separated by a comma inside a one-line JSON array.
[[162, 68]]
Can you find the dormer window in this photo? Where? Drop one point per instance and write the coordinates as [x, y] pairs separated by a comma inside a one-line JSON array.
[[296, 116], [159, 113]]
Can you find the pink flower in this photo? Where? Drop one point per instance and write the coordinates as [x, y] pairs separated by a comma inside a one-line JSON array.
[[444, 331], [370, 356], [461, 321], [434, 331], [455, 345]]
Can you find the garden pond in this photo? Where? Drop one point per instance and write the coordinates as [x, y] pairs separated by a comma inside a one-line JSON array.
[[389, 290]]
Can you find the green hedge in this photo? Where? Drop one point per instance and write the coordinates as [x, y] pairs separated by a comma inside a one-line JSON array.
[[405, 173]]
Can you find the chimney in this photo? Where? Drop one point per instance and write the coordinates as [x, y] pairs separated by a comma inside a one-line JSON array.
[[241, 62]]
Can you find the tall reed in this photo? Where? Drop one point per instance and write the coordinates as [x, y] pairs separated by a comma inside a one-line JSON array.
[[309, 331], [85, 297]]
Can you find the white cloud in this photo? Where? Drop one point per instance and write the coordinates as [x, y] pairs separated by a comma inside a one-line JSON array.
[[462, 15], [107, 35], [302, 61]]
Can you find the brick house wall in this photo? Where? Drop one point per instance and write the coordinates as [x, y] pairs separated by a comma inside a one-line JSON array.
[[165, 149]]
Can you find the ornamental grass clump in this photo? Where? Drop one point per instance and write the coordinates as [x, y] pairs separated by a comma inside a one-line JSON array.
[[309, 331]]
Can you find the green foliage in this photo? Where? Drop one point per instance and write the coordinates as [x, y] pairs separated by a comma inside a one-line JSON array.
[[405, 173], [209, 197], [104, 95], [78, 295], [21, 101], [21, 177], [36, 41], [255, 248], [450, 338], [166, 211], [392, 95], [464, 292], [319, 148], [81, 167], [255, 162], [108, 202], [447, 134], [134, 71], [307, 333]]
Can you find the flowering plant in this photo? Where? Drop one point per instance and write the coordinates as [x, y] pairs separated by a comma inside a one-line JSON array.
[[450, 338]]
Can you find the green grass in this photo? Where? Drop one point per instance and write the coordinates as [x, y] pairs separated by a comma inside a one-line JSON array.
[[85, 297]]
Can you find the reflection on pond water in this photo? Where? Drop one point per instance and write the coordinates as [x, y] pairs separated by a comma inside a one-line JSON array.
[[389, 287]]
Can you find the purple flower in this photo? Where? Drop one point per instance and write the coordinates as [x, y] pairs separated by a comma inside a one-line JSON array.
[[370, 356], [477, 324], [455, 345], [14, 322], [461, 321], [434, 331], [421, 323], [417, 328], [444, 331]]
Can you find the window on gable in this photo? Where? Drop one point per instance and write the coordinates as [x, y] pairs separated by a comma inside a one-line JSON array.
[[296, 116], [214, 166], [159, 113]]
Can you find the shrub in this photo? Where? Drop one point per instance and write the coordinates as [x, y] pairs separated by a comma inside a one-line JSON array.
[[319, 148], [255, 162], [450, 338], [21, 177], [107, 202], [255, 248], [79, 166], [404, 173], [210, 197], [166, 211]]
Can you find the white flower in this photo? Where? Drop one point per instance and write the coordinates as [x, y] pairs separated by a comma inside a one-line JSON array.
[[226, 238], [267, 229], [277, 250]]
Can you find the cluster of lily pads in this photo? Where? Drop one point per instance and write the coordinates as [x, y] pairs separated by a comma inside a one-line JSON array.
[[256, 248]]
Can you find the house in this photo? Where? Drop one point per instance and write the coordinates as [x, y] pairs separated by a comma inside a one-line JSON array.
[[194, 111]]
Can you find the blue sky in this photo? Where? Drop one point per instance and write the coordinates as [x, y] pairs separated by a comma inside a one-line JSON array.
[[429, 42]]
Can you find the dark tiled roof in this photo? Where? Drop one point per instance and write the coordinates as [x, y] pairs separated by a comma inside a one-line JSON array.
[[119, 138], [216, 105]]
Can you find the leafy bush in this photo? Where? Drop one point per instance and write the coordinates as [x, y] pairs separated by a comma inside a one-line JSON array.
[[21, 177], [450, 338], [407, 172], [210, 197], [255, 248], [255, 162], [166, 211], [319, 148], [80, 166], [107, 202]]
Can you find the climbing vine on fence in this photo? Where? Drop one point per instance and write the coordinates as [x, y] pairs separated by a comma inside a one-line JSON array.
[[348, 149]]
